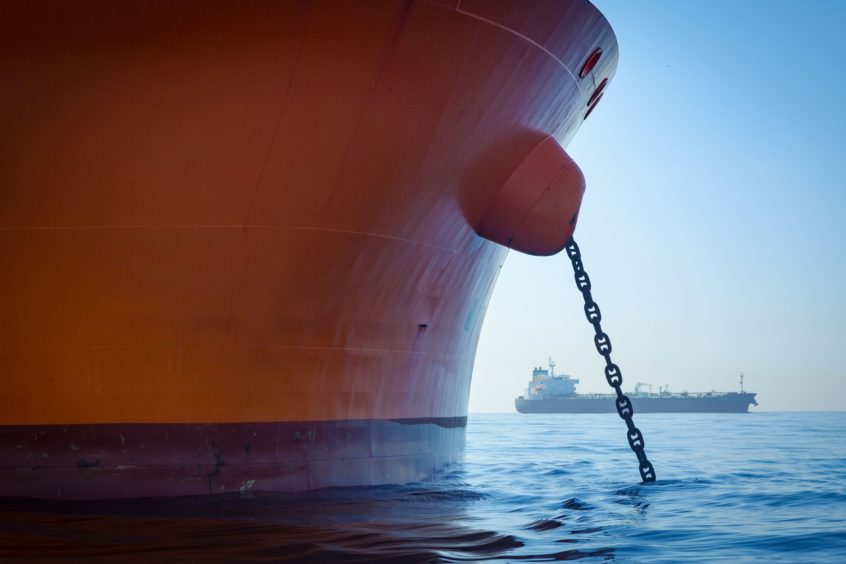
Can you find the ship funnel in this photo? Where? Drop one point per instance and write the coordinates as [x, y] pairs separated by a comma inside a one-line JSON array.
[[535, 211]]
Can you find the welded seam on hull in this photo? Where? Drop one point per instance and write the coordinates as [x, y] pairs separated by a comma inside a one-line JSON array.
[[448, 102], [365, 104], [524, 38], [247, 346], [365, 234], [246, 258], [278, 121], [358, 349], [239, 227]]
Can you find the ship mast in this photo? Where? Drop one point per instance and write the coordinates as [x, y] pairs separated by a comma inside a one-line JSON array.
[[741, 381], [551, 367]]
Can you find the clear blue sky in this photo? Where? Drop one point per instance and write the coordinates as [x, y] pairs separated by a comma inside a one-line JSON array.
[[714, 222]]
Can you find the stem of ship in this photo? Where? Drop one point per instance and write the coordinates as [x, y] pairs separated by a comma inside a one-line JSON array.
[[612, 371]]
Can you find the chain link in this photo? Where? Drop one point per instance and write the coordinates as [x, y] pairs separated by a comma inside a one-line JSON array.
[[612, 371]]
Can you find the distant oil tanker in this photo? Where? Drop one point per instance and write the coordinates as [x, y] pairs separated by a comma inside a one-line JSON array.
[[551, 393]]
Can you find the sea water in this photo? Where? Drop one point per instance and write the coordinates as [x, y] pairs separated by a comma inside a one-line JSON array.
[[757, 487]]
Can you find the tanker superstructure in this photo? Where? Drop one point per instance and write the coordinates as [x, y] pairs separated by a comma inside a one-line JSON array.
[[249, 245]]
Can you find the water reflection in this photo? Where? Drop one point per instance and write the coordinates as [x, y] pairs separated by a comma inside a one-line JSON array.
[[433, 523], [533, 489]]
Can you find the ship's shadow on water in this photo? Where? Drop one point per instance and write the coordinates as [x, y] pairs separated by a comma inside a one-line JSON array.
[[417, 523]]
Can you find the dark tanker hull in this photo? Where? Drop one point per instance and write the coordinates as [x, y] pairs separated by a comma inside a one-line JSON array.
[[699, 403]]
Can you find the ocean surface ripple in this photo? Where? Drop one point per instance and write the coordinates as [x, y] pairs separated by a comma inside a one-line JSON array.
[[758, 487]]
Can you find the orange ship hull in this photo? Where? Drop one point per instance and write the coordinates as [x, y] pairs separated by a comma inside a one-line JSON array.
[[239, 242]]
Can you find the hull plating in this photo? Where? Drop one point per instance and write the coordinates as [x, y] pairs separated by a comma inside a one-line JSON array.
[[135, 460], [226, 213]]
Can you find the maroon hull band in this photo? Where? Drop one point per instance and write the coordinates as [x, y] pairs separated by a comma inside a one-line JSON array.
[[144, 460]]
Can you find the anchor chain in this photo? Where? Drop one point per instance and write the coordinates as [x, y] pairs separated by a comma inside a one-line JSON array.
[[612, 371]]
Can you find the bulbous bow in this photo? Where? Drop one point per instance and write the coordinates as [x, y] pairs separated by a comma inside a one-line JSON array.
[[536, 209]]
